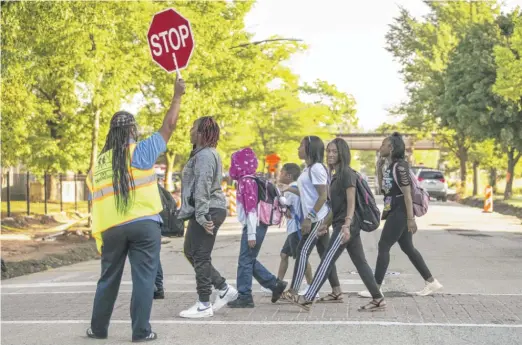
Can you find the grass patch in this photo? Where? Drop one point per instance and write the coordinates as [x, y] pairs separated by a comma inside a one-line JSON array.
[[38, 208]]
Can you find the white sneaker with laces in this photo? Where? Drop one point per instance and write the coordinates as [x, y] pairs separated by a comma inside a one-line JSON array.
[[197, 311], [266, 292], [224, 296], [430, 288]]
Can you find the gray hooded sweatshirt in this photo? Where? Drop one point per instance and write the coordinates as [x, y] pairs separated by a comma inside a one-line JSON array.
[[201, 177]]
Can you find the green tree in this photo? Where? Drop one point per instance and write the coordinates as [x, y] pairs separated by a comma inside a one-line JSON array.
[[423, 48], [469, 101], [508, 128]]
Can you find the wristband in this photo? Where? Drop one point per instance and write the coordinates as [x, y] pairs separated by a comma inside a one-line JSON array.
[[312, 216]]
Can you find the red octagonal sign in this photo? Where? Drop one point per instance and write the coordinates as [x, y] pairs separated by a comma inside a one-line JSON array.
[[170, 38]]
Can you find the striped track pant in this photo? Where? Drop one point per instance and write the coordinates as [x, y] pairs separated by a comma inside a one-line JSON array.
[[335, 249], [306, 244]]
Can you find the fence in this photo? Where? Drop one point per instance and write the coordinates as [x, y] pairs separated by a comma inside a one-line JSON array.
[[26, 193]]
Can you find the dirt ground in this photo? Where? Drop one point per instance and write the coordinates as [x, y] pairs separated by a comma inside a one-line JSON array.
[[30, 256]]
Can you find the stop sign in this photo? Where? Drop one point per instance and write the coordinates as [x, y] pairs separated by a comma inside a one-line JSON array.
[[170, 39]]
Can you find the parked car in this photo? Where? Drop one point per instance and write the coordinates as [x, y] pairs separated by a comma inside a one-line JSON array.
[[433, 182]]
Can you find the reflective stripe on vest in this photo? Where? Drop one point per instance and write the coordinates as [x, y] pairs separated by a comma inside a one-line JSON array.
[[145, 199], [106, 191]]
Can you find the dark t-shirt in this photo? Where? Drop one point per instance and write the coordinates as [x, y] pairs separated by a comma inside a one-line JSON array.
[[338, 188], [393, 197]]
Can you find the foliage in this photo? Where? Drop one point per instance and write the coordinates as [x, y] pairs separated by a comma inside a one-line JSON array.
[[65, 74]]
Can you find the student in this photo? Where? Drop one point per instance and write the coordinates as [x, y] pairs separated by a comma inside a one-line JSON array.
[[346, 231], [244, 162], [312, 189], [126, 220], [398, 212], [288, 177], [204, 206]]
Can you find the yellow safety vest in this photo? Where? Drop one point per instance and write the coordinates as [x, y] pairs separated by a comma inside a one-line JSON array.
[[146, 200]]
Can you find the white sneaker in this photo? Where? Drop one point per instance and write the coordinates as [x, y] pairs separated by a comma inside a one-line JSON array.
[[430, 288], [304, 290], [367, 294], [225, 296], [197, 311], [266, 292], [214, 295]]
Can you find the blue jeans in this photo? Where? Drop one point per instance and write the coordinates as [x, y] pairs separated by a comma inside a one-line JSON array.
[[249, 267]]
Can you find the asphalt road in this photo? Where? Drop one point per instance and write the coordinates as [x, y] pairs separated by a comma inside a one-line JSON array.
[[476, 256]]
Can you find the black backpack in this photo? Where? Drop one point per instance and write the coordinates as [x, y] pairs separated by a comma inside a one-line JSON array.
[[172, 226], [366, 211]]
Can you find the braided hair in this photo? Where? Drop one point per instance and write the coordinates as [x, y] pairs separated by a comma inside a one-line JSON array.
[[123, 129], [209, 130]]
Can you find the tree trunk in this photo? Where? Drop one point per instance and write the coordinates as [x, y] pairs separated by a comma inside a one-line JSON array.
[[171, 157], [94, 149], [475, 178], [463, 158], [493, 179], [512, 162], [94, 139]]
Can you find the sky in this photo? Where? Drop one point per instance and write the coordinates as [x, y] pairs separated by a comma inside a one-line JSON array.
[[346, 46]]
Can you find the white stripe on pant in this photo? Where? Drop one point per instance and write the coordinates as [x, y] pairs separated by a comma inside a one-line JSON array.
[[303, 255], [322, 270], [334, 251]]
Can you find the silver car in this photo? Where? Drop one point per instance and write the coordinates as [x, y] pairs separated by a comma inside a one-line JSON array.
[[433, 182]]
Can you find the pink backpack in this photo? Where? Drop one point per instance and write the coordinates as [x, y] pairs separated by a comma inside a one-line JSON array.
[[269, 211], [419, 196]]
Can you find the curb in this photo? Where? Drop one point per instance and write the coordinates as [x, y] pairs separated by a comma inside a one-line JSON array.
[[498, 207]]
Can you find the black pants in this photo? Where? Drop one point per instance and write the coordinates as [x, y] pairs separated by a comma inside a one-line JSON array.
[[396, 230], [198, 250], [141, 240], [303, 253], [355, 250]]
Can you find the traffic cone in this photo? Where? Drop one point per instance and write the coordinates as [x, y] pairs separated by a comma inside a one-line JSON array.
[[488, 200], [231, 202]]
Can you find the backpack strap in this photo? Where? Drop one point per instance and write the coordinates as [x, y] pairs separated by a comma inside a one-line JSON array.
[[395, 174], [328, 181]]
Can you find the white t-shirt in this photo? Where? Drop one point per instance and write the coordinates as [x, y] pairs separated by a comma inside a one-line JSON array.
[[293, 200], [307, 190]]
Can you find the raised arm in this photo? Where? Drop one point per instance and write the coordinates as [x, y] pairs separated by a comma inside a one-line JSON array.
[[171, 117]]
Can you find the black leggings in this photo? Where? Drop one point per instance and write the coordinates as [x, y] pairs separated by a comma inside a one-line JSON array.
[[396, 230]]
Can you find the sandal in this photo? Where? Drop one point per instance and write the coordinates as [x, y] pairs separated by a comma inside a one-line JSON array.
[[288, 296], [374, 305], [299, 301], [331, 298]]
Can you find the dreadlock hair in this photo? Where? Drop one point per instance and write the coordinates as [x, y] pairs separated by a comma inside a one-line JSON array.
[[118, 141], [209, 130], [314, 149]]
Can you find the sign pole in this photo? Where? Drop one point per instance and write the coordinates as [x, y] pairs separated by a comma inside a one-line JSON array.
[[178, 74]]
